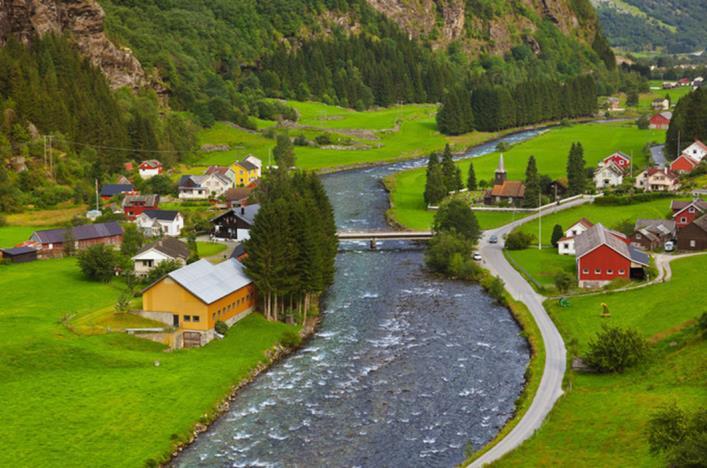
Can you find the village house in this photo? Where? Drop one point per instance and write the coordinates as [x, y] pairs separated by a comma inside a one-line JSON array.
[[239, 252], [504, 191], [156, 223], [602, 257], [660, 104], [652, 234], [690, 158], [565, 246], [670, 84], [608, 174], [622, 160], [18, 254], [50, 242], [684, 82], [657, 179], [685, 212], [234, 223], [160, 251], [613, 103], [694, 235], [660, 121], [133, 205], [193, 187], [697, 82], [237, 197], [227, 172], [195, 297], [109, 191], [150, 168], [246, 172]]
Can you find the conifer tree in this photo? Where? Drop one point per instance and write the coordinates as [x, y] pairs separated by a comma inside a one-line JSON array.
[[435, 187], [532, 183], [283, 152], [576, 173], [471, 177], [557, 234], [452, 174]]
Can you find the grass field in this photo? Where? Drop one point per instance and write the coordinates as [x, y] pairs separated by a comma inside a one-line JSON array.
[[601, 419], [13, 235], [209, 249], [550, 150], [541, 266], [82, 400], [45, 219]]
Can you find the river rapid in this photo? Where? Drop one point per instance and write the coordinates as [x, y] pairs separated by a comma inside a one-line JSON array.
[[405, 370]]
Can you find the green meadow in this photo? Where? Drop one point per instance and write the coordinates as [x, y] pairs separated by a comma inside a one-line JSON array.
[[601, 419], [550, 149], [13, 235], [77, 400], [541, 266]]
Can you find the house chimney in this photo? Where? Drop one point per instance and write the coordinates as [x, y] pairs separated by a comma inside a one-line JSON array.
[[242, 210]]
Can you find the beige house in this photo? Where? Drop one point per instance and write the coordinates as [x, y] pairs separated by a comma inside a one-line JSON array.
[[657, 179]]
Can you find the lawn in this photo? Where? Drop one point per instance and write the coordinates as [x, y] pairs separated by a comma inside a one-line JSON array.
[[601, 419], [541, 266], [209, 249], [550, 150], [13, 235], [46, 219], [82, 400]]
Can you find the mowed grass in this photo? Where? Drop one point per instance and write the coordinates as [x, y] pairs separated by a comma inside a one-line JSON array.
[[71, 400], [46, 219], [209, 249], [541, 266], [602, 418], [13, 235], [550, 150]]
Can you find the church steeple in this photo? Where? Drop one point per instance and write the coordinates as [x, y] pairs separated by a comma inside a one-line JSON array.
[[500, 177]]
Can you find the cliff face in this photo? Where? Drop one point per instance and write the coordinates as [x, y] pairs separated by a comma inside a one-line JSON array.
[[481, 28], [82, 20]]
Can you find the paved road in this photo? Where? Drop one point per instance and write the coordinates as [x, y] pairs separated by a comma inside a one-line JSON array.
[[657, 156], [551, 382]]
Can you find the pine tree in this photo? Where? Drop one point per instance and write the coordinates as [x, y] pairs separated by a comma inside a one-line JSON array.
[[576, 173], [557, 234], [435, 188], [532, 183], [283, 152], [452, 174], [471, 177]]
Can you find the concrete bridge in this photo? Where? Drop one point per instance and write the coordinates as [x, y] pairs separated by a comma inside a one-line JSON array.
[[375, 236]]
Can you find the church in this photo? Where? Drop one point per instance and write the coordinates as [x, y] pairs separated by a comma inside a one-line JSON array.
[[504, 192]]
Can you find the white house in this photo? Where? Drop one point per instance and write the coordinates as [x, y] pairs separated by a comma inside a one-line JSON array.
[[256, 162], [224, 171], [608, 175], [156, 223], [149, 168], [565, 246], [696, 151], [656, 179], [163, 250], [203, 187], [660, 104]]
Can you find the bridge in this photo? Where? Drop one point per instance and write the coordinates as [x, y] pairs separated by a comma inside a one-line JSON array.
[[375, 236]]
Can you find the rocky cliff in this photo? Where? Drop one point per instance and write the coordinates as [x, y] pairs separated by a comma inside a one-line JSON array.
[[82, 20]]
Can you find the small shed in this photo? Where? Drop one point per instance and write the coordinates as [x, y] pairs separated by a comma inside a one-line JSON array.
[[19, 254]]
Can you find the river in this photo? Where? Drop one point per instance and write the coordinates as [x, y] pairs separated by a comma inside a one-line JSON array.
[[405, 370]]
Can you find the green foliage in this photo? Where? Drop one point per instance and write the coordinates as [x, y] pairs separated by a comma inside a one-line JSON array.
[[495, 288], [563, 281], [132, 240], [451, 173], [161, 269], [632, 98], [221, 328], [519, 240], [291, 339], [576, 173], [679, 435], [69, 245], [615, 349], [557, 234], [122, 304], [447, 251], [98, 263], [283, 152], [532, 184], [689, 122], [455, 216], [471, 178], [435, 184], [643, 122], [625, 226]]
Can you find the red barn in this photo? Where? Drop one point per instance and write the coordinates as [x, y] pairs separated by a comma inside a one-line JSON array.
[[660, 121], [134, 205], [602, 257], [685, 212], [621, 160], [684, 164]]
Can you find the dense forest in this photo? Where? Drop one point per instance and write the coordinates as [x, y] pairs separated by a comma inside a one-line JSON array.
[[49, 89], [219, 57], [492, 108], [689, 122]]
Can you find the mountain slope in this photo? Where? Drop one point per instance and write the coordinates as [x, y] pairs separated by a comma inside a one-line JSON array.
[[672, 25]]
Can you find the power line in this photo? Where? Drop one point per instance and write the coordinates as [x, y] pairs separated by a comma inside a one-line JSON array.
[[116, 148]]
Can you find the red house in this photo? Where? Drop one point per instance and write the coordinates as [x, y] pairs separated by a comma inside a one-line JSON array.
[[685, 212], [602, 257], [134, 205], [620, 159], [684, 164], [660, 121], [150, 168]]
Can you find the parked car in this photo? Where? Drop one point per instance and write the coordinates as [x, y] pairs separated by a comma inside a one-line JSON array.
[[476, 256], [493, 239], [669, 246]]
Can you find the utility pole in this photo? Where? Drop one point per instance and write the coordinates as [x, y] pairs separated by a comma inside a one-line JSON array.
[[97, 203], [44, 139], [51, 156], [540, 223]]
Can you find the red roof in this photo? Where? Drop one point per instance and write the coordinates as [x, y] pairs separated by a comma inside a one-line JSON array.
[[509, 188], [150, 164]]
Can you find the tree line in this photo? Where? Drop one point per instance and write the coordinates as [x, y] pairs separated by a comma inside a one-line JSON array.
[[292, 245], [491, 108], [689, 122]]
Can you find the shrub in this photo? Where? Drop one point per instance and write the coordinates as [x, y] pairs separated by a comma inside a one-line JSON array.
[[456, 216], [290, 339], [98, 263], [443, 248], [563, 281], [221, 327], [161, 269], [495, 288], [323, 139], [3, 221], [518, 240], [702, 323], [300, 140], [615, 349], [557, 234], [643, 122], [679, 435]]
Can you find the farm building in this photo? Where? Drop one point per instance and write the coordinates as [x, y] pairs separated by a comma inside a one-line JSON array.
[[155, 253], [133, 205], [19, 254], [195, 297], [685, 212], [109, 191], [652, 234], [150, 168], [50, 242], [622, 160], [694, 235], [660, 121]]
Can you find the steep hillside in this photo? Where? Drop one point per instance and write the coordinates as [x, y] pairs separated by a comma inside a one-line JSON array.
[[671, 25]]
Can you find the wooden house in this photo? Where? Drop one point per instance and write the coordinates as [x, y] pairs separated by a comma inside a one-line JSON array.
[[234, 223], [19, 254], [652, 234], [150, 168], [565, 246], [157, 223], [160, 251], [50, 242], [657, 179], [685, 212], [134, 205], [694, 235]]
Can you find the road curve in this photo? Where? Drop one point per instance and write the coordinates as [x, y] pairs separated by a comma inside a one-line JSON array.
[[550, 388]]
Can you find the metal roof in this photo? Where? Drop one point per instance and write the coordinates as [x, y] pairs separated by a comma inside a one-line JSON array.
[[84, 232], [211, 282], [169, 246], [18, 251], [110, 190], [162, 215], [598, 235]]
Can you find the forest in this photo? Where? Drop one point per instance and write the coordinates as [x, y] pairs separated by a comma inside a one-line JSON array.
[[689, 123]]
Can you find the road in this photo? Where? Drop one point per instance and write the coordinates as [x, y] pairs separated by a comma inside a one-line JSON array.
[[657, 155], [550, 388]]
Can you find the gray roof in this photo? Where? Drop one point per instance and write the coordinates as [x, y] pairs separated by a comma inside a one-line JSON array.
[[662, 227], [246, 213], [169, 246], [701, 222], [599, 235], [145, 200], [681, 205], [238, 251], [638, 257], [18, 251], [248, 165], [211, 282], [162, 215], [84, 232], [109, 190]]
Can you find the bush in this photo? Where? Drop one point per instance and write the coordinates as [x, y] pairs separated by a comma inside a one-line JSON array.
[[495, 288], [161, 269], [563, 281], [457, 217], [443, 248], [221, 327], [615, 349], [679, 435], [643, 122], [3, 221], [518, 240], [702, 323], [557, 234], [622, 200], [301, 140], [290, 339], [323, 139], [98, 263]]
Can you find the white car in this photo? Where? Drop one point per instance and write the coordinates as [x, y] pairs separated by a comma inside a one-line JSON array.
[[476, 256]]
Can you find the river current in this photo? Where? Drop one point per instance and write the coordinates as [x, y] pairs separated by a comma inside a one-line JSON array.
[[406, 369]]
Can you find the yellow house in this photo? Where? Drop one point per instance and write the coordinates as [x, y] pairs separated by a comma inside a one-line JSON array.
[[195, 297], [246, 172]]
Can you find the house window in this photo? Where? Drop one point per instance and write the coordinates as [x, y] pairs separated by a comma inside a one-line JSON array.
[[195, 318], [638, 236], [609, 271], [597, 271], [683, 219], [187, 318], [692, 243], [566, 246], [585, 271], [621, 272], [691, 209]]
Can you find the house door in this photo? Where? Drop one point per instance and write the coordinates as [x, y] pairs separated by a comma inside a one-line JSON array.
[[175, 320]]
